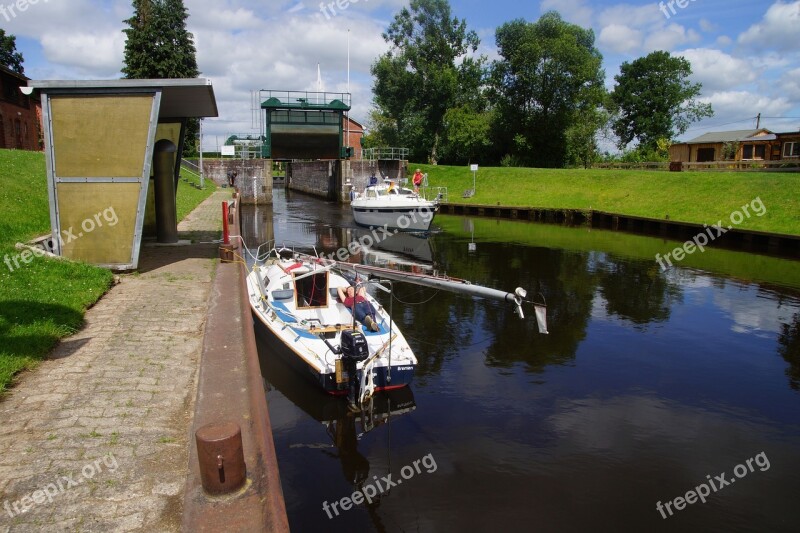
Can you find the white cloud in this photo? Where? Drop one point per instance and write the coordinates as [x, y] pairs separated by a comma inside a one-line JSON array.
[[707, 26], [724, 40], [574, 11], [92, 54], [636, 16], [620, 38], [739, 104], [718, 71], [670, 37], [790, 84], [780, 28]]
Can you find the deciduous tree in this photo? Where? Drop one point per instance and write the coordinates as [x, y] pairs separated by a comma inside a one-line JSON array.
[[549, 78], [654, 99], [428, 71], [9, 57]]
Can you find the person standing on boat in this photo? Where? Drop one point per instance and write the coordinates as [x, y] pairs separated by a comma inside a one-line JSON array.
[[362, 309], [417, 179]]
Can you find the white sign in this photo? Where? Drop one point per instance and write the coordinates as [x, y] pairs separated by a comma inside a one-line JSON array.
[[473, 168], [229, 150]]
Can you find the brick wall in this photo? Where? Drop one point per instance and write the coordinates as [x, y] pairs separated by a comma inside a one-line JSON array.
[[254, 177], [333, 179], [19, 127], [311, 177]]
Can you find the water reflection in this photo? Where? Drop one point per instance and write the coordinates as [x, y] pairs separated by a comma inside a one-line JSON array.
[[648, 382]]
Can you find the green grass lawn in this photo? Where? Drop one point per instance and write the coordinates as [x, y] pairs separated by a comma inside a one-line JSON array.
[[44, 300], [699, 197]]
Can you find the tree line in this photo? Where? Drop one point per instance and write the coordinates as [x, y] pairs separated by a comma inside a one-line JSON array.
[[543, 103]]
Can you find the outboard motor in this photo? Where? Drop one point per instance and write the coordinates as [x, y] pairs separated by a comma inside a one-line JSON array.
[[354, 350]]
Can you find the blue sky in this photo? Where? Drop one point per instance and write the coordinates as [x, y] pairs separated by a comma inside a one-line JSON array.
[[746, 53]]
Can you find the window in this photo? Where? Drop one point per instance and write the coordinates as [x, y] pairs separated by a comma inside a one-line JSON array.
[[705, 154], [791, 149], [754, 151]]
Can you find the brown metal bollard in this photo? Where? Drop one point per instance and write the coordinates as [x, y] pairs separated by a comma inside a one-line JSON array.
[[226, 253], [221, 457]]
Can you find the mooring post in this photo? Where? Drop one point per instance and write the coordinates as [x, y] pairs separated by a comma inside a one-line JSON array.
[[221, 457]]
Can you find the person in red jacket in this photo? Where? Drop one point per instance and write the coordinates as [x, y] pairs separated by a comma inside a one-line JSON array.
[[361, 308], [417, 179]]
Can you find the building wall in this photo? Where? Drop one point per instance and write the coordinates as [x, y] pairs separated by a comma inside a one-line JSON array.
[[353, 138], [254, 179], [784, 138], [687, 153], [20, 115], [311, 177], [334, 179]]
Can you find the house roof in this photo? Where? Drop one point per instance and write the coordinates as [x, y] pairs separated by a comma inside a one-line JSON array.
[[7, 70], [768, 137], [727, 136], [357, 123]]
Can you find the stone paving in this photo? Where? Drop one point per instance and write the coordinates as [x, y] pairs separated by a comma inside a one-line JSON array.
[[96, 438]]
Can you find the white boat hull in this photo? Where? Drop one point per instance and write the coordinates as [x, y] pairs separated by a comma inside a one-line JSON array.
[[300, 330], [400, 218]]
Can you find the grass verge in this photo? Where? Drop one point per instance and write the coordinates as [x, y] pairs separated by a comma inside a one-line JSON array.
[[44, 300], [699, 197]]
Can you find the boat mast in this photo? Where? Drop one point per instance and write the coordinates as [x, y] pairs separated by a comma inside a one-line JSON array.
[[453, 285]]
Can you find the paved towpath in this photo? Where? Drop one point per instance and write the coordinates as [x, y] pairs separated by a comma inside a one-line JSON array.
[[95, 439]]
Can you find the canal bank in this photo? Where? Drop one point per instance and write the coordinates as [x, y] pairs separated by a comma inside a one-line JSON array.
[[734, 238], [97, 438]]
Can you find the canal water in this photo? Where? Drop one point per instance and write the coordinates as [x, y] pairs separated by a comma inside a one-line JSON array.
[[649, 386]]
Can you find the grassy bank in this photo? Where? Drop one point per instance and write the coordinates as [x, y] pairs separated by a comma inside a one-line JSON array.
[[44, 300], [699, 197]]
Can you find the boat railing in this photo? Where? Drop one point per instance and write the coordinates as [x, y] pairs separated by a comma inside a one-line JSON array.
[[435, 194]]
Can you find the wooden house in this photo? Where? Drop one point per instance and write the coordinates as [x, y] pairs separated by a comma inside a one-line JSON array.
[[739, 145]]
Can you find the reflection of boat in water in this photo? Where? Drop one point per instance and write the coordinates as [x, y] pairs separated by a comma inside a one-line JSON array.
[[389, 205], [296, 300], [342, 425], [326, 408], [414, 246]]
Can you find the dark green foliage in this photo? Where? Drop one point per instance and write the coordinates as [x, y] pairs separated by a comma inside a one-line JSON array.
[[549, 78], [158, 45], [419, 80], [653, 100], [9, 57]]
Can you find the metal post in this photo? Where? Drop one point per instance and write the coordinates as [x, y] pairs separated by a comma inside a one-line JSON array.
[[226, 234], [164, 154], [200, 146]]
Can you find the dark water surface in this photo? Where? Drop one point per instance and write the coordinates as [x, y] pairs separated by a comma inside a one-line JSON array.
[[649, 384]]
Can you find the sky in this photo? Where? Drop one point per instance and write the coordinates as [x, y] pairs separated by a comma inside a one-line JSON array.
[[746, 53]]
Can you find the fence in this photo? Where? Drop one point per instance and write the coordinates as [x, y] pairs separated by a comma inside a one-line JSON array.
[[393, 154], [783, 165]]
